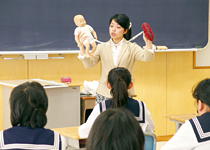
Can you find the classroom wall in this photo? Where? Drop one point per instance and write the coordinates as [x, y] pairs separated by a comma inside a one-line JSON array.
[[164, 83], [51, 69]]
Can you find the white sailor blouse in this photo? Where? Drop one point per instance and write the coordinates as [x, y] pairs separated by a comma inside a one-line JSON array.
[[194, 134], [138, 108], [19, 137]]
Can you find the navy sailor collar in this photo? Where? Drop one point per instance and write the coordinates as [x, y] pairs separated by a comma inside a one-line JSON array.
[[135, 106], [201, 127]]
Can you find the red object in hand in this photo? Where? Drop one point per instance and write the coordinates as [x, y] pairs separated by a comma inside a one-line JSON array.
[[66, 79], [147, 31]]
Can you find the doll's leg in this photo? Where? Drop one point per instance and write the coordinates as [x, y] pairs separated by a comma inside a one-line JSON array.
[[87, 47], [93, 48], [82, 50]]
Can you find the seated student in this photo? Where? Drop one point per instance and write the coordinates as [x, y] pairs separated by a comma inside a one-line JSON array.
[[115, 129], [119, 81], [28, 105], [194, 134]]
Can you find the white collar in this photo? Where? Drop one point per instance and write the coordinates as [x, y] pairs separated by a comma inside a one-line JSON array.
[[118, 43]]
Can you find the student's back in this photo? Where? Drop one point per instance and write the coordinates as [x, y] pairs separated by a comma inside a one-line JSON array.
[[28, 104], [194, 134], [139, 110], [119, 81]]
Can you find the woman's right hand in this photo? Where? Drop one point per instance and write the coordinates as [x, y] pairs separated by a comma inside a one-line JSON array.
[[81, 37], [81, 40]]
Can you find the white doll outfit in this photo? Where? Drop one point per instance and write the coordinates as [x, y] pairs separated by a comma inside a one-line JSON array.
[[87, 29]]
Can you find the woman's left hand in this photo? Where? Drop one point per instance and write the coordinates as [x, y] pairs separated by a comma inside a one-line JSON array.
[[148, 43]]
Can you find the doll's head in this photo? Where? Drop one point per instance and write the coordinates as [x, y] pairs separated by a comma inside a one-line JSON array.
[[79, 21]]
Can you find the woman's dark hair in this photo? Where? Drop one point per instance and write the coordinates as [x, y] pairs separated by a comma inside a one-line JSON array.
[[124, 22], [115, 129], [119, 78], [28, 104], [202, 91]]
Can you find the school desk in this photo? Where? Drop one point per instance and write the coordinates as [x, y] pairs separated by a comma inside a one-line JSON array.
[[87, 102], [75, 142], [72, 137], [63, 107], [179, 119]]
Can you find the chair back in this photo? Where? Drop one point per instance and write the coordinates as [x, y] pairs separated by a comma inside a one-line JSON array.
[[150, 141]]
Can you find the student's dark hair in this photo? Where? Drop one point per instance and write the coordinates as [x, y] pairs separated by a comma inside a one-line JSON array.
[[115, 129], [28, 104], [119, 79], [124, 22], [202, 91]]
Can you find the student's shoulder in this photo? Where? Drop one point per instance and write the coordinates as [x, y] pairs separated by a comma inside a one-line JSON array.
[[134, 101], [200, 126]]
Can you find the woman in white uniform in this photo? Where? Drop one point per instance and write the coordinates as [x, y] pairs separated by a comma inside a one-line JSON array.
[[194, 134], [119, 81]]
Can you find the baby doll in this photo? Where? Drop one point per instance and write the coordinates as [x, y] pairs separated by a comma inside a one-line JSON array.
[[85, 29]]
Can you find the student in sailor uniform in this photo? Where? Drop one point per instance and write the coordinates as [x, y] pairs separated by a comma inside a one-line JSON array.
[[115, 129], [119, 81], [28, 105], [194, 134]]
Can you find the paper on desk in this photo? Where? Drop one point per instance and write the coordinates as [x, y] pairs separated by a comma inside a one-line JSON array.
[[44, 83], [49, 84]]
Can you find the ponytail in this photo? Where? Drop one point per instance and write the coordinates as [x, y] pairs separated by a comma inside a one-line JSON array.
[[119, 94], [119, 78], [128, 35], [38, 118]]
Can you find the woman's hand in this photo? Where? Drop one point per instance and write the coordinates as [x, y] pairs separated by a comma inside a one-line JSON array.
[[81, 39], [148, 43]]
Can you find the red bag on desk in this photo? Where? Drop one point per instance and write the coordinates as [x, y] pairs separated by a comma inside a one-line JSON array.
[[66, 79]]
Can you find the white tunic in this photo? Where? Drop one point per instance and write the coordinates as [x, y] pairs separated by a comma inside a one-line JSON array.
[[194, 134]]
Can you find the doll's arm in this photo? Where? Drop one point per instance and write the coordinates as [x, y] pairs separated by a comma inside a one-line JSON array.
[[94, 34]]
